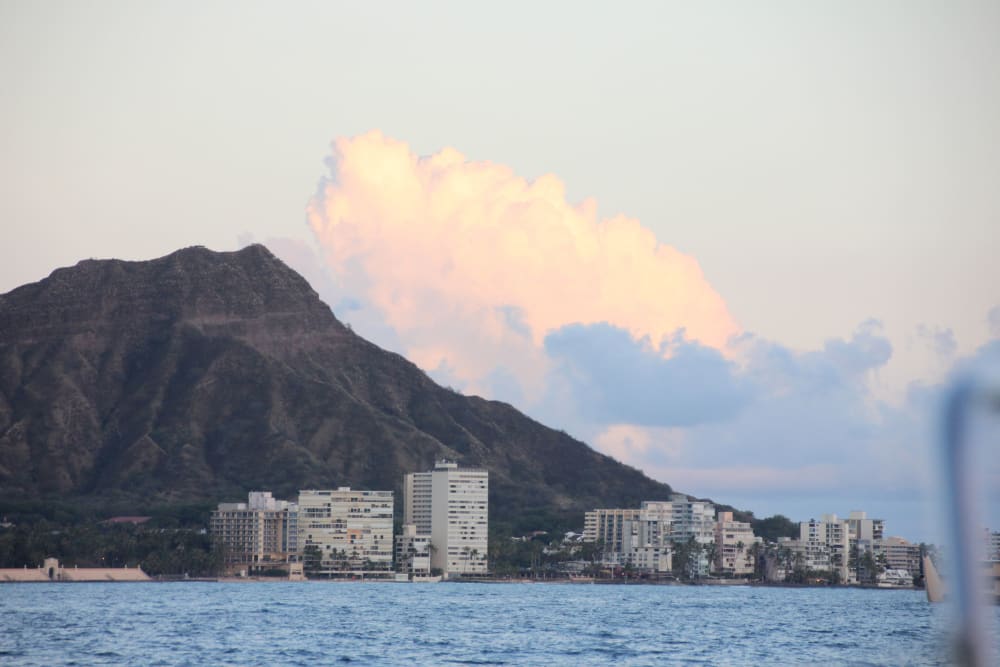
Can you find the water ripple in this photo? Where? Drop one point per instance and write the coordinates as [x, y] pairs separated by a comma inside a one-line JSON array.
[[186, 623]]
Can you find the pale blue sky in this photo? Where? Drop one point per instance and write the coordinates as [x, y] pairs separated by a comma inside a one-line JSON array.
[[826, 163]]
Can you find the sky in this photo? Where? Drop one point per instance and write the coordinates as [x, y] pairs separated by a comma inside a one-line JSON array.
[[740, 246]]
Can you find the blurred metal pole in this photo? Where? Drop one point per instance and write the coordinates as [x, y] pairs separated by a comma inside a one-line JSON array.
[[973, 645]]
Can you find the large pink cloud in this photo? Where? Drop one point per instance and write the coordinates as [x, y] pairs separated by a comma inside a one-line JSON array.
[[472, 265]]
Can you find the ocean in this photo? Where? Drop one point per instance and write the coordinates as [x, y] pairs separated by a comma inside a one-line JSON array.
[[319, 623]]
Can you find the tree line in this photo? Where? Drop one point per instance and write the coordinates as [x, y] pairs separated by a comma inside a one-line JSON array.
[[158, 550]]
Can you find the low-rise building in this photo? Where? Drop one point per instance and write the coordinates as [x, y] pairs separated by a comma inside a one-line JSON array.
[[413, 552], [901, 555]]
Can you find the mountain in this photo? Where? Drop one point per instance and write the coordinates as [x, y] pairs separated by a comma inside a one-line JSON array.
[[201, 375]]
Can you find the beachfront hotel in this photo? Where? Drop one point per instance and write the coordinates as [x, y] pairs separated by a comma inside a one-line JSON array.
[[342, 530], [644, 538], [413, 552], [347, 530], [851, 547], [451, 506], [733, 539], [258, 534]]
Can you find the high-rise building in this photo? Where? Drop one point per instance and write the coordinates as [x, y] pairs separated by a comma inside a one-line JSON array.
[[692, 519], [865, 539], [901, 555], [647, 537], [259, 534], [451, 504], [607, 527], [345, 530], [823, 545], [837, 545], [733, 542], [863, 528]]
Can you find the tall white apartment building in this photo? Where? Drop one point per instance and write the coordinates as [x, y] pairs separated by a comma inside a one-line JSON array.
[[835, 544], [609, 527], [645, 537], [864, 535], [822, 545], [352, 529], [451, 504], [837, 532], [259, 534], [733, 542], [650, 548], [417, 498], [637, 537], [863, 528], [692, 519]]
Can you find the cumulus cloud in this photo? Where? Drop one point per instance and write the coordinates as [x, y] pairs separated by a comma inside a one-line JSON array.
[[497, 285], [459, 256]]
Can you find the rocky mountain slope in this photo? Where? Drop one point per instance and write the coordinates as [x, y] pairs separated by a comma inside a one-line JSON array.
[[201, 375]]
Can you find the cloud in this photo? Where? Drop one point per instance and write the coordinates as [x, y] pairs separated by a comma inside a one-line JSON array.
[[813, 438], [615, 378], [765, 421], [457, 257], [993, 318], [941, 341], [866, 350], [799, 408], [497, 285]]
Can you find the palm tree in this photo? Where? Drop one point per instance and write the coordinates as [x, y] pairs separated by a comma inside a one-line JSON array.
[[758, 564], [740, 546], [311, 558], [474, 554]]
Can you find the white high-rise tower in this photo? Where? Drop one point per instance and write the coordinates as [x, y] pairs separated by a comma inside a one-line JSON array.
[[451, 504]]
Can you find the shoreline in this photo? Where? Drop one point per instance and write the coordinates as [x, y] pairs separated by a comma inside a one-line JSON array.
[[559, 582]]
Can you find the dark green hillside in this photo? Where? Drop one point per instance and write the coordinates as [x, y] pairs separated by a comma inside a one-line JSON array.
[[201, 375]]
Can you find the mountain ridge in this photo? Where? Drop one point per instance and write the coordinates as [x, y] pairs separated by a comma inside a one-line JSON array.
[[200, 375]]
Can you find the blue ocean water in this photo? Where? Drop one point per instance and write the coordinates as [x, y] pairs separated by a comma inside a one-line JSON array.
[[313, 623]]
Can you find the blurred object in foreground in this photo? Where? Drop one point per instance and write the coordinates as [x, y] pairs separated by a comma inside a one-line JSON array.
[[973, 402]]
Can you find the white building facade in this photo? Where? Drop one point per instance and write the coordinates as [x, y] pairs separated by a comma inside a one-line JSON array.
[[257, 535], [612, 529], [901, 555], [733, 546], [413, 552], [350, 528], [451, 505], [647, 537], [865, 537]]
